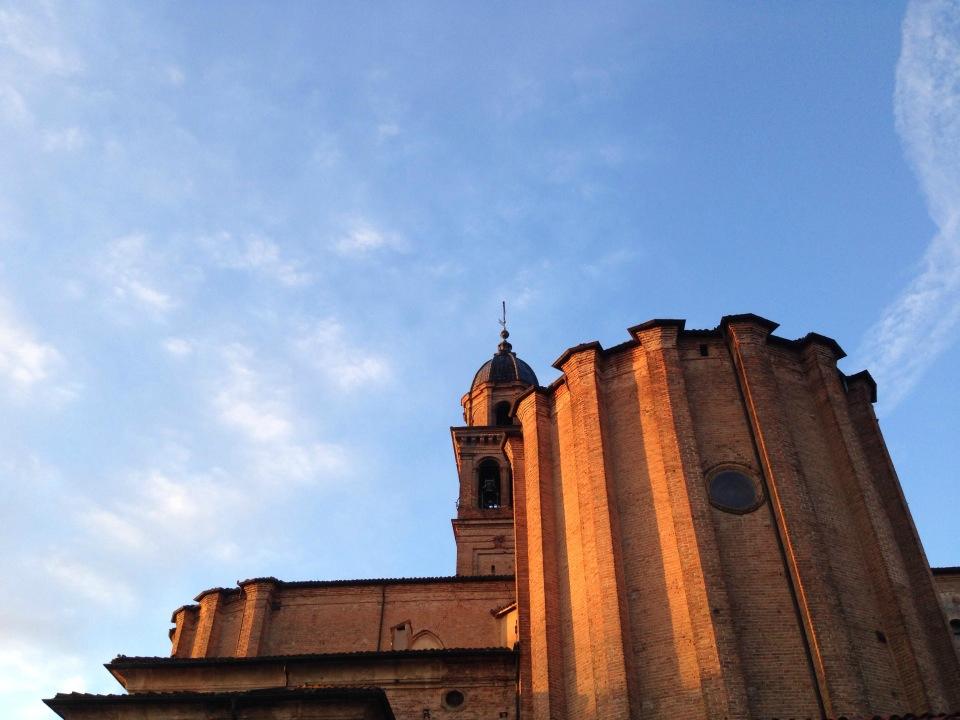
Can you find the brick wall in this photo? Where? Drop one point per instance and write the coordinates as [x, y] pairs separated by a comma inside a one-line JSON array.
[[269, 617], [647, 599], [947, 581]]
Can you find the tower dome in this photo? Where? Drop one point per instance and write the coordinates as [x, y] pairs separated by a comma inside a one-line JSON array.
[[504, 366]]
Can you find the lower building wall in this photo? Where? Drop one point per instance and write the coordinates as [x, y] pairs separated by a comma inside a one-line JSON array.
[[947, 582], [298, 618], [418, 684]]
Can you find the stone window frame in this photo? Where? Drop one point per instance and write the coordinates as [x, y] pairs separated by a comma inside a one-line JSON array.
[[748, 472]]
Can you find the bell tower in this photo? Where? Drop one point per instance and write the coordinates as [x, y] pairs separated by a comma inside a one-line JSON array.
[[483, 528]]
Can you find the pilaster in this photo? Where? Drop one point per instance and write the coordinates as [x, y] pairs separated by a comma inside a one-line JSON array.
[[256, 614], [541, 667], [611, 653], [708, 607], [941, 666], [836, 665], [209, 606]]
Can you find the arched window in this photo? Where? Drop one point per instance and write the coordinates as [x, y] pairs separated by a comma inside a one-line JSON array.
[[955, 626], [502, 412], [488, 482]]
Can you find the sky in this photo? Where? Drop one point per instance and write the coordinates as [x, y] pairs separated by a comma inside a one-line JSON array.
[[251, 255]]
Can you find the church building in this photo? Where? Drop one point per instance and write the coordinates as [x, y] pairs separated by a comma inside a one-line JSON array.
[[692, 524]]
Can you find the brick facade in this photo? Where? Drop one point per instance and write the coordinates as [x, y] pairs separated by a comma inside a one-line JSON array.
[[601, 573]]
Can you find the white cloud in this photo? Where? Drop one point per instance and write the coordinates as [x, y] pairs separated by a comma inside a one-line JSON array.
[[343, 364], [32, 670], [112, 527], [256, 254], [86, 581], [13, 107], [611, 262], [178, 347], [25, 362], [245, 403], [167, 508], [292, 462], [363, 238], [922, 322], [130, 266], [68, 139], [33, 39], [277, 445], [173, 75], [326, 151], [385, 131]]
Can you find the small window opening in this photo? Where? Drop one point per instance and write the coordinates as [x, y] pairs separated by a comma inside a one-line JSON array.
[[502, 412], [704, 350], [489, 482], [881, 636], [955, 626], [453, 698], [493, 569]]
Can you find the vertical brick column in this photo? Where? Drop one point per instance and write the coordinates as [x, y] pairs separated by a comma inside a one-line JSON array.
[[209, 606], [603, 571], [176, 639], [881, 555], [541, 667], [256, 614], [837, 667], [721, 679], [940, 666]]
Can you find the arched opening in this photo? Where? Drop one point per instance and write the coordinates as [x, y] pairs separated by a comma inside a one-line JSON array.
[[955, 626], [426, 640], [488, 483], [502, 414]]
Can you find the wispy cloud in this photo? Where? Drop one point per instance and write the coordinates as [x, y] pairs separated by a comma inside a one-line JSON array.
[[13, 106], [388, 130], [921, 323], [364, 238], [31, 670], [78, 577], [129, 266], [245, 402], [167, 508], [611, 262], [256, 254], [260, 410], [68, 139], [33, 38], [173, 75], [25, 362], [177, 346], [343, 363]]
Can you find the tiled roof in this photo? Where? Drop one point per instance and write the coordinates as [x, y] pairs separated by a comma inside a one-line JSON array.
[[248, 697], [123, 661], [948, 570], [363, 581]]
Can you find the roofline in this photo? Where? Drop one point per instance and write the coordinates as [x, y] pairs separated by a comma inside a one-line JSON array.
[[718, 332], [947, 570], [362, 582], [251, 697], [123, 662]]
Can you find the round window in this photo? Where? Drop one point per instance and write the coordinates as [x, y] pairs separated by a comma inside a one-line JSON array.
[[734, 491], [453, 698]]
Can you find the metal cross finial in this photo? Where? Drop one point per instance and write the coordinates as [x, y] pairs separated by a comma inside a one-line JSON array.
[[504, 346]]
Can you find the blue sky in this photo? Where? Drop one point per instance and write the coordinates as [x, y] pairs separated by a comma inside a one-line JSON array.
[[252, 254]]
